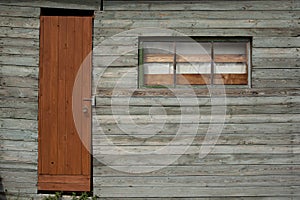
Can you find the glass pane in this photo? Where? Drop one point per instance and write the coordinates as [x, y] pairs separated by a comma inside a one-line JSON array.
[[230, 68], [193, 68], [158, 68], [230, 48]]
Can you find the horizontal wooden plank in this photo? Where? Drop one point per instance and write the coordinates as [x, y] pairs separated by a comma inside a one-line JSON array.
[[19, 157], [192, 191], [277, 83], [200, 170], [19, 11], [275, 32], [181, 101], [230, 110], [276, 74], [201, 14], [223, 139], [197, 24], [193, 149], [197, 119], [27, 103], [19, 50], [267, 63], [198, 92], [199, 181], [276, 52], [19, 177], [22, 60], [20, 22], [85, 5], [20, 71], [19, 42], [23, 124], [199, 6], [14, 81], [18, 92], [18, 113], [18, 135], [19, 32], [115, 60], [276, 42], [171, 129], [155, 162]]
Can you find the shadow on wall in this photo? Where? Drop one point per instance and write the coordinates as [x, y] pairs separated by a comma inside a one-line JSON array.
[[2, 192]]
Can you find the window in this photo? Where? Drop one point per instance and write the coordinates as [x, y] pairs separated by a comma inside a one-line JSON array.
[[174, 61]]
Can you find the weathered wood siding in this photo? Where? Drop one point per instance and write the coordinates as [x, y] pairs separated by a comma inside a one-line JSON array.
[[257, 156], [257, 153]]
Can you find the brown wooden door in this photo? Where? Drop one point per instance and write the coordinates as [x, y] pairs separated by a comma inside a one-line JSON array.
[[64, 161]]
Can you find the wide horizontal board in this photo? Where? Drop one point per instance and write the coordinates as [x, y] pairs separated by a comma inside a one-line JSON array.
[[276, 42], [188, 23], [19, 22], [198, 181], [19, 50], [19, 32], [276, 83], [172, 129], [218, 32], [193, 149], [126, 139], [22, 60], [199, 92], [193, 191], [201, 170], [154, 162], [23, 124], [276, 52], [19, 11], [26, 103], [19, 42], [15, 81], [19, 71], [267, 63], [202, 14], [18, 113], [199, 6], [18, 92], [85, 5], [198, 119], [178, 101], [18, 135], [230, 110], [276, 74]]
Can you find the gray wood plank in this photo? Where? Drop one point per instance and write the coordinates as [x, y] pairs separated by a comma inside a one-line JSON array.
[[12, 11], [203, 5]]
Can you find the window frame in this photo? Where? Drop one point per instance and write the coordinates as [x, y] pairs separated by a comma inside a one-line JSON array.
[[247, 40]]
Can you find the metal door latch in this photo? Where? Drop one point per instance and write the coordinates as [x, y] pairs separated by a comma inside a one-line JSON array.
[[92, 100]]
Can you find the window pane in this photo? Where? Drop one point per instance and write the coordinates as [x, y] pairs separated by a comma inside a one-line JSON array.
[[193, 68], [158, 68], [230, 63]]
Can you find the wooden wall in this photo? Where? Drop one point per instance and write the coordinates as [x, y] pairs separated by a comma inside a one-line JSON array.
[[257, 155]]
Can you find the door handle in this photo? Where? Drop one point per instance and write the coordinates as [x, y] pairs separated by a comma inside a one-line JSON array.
[[85, 109]]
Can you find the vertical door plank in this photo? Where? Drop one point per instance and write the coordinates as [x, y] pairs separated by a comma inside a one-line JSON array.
[[70, 126], [49, 98], [86, 93], [75, 140], [62, 66], [53, 79], [41, 93]]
